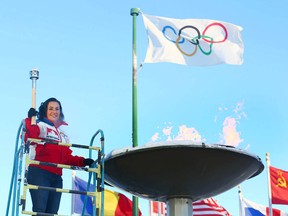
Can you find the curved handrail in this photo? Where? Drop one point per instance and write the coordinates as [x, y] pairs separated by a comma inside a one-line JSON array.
[[14, 173], [101, 162]]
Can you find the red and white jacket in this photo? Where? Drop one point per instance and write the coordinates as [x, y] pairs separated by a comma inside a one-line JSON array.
[[50, 152]]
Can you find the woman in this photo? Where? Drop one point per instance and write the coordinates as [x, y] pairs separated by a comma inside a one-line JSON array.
[[49, 126]]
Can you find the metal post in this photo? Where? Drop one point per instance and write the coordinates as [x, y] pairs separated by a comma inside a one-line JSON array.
[[269, 184], [34, 75], [134, 12], [179, 206]]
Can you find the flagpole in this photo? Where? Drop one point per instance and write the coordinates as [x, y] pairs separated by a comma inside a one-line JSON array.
[[134, 12], [72, 198], [269, 184], [240, 201]]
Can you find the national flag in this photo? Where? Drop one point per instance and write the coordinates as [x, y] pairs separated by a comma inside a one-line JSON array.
[[115, 204], [78, 200], [204, 207], [252, 209], [209, 207], [279, 185], [158, 208], [198, 42]]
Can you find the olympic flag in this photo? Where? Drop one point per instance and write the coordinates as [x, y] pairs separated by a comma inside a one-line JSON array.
[[198, 42]]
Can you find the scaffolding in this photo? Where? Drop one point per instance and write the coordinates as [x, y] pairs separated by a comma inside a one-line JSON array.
[[19, 178]]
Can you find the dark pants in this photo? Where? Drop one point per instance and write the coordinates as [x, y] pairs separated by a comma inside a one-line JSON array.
[[45, 201]]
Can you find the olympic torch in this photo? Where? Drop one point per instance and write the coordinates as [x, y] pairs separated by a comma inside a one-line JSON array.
[[34, 75]]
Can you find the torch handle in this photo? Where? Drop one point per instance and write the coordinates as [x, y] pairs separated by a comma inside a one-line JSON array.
[[33, 119], [34, 75]]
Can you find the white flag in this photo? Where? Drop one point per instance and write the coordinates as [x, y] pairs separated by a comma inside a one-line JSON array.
[[250, 209], [199, 42]]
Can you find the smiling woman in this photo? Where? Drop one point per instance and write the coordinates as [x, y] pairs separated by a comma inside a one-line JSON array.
[[52, 110], [49, 126]]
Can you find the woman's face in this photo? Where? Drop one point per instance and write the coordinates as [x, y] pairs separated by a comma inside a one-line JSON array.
[[53, 111]]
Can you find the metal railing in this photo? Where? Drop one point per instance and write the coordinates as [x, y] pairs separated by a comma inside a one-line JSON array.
[[96, 170]]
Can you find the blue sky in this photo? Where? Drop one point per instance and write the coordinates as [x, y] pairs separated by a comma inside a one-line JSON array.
[[83, 51]]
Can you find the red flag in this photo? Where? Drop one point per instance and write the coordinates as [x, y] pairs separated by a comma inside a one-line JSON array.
[[275, 212], [124, 206], [157, 208], [204, 207], [279, 185]]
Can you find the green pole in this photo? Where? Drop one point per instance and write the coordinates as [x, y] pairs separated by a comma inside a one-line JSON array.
[[134, 12]]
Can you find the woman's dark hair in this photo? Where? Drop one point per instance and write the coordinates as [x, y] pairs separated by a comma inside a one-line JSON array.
[[43, 109]]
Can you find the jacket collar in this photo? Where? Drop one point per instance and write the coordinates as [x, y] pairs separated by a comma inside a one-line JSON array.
[[57, 125]]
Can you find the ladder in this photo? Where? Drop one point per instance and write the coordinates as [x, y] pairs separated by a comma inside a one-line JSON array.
[[96, 170]]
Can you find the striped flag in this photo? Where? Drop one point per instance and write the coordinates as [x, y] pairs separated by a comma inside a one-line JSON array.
[[115, 204], [204, 207], [158, 208], [209, 207], [197, 42], [253, 209]]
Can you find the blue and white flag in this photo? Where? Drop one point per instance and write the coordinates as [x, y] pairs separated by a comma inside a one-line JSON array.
[[252, 209], [198, 42]]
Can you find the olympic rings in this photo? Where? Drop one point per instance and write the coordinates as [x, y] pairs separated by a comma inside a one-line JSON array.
[[215, 24], [198, 33], [210, 46], [184, 53], [165, 35], [195, 40]]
